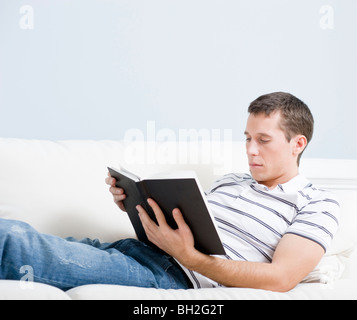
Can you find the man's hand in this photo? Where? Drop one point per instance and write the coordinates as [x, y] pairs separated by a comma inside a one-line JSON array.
[[294, 258], [177, 243], [118, 193]]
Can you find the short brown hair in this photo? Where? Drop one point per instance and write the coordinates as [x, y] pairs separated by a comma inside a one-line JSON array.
[[296, 117]]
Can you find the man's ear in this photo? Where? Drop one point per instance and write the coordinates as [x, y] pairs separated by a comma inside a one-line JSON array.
[[300, 143]]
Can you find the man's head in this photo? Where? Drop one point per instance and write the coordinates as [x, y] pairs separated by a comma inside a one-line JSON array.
[[278, 130]]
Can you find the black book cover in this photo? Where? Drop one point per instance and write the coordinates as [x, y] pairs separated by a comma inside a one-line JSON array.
[[171, 193]]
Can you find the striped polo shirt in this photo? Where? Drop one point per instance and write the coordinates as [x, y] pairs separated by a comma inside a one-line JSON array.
[[251, 219]]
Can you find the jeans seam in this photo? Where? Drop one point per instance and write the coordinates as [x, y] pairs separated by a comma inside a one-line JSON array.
[[173, 282]]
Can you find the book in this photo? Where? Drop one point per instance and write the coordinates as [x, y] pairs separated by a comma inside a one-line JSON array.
[[177, 190]]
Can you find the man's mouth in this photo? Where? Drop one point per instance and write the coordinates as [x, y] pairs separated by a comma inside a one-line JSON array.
[[255, 165]]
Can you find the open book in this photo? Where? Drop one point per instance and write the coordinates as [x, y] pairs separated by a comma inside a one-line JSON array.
[[181, 190]]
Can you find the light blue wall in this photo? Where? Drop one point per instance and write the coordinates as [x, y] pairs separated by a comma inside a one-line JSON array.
[[94, 69]]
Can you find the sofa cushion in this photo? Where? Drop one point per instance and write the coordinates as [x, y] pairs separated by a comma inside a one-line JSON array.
[[19, 290], [59, 187], [343, 290]]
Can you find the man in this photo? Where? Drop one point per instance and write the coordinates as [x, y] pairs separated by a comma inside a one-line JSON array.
[[274, 225]]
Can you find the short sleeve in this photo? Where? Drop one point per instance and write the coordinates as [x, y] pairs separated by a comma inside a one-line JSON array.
[[318, 220]]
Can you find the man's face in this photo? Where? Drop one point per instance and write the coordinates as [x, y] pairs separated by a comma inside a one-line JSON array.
[[271, 157]]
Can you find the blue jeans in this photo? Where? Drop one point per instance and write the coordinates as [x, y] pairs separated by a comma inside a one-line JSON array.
[[68, 263]]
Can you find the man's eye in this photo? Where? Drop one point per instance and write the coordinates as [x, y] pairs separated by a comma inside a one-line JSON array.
[[264, 141], [248, 139]]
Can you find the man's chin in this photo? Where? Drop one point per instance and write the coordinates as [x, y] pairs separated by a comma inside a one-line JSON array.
[[256, 176]]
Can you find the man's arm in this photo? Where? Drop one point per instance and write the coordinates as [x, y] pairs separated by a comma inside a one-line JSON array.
[[294, 258]]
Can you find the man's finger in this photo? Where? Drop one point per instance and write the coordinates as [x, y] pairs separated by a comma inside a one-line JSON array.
[[180, 221], [149, 226], [160, 217], [145, 219]]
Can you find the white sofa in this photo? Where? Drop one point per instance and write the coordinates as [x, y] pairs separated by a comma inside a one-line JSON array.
[[58, 187]]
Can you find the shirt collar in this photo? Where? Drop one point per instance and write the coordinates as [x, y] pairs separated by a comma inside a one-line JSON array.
[[295, 184]]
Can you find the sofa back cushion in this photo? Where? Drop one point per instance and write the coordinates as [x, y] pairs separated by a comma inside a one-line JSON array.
[[58, 186]]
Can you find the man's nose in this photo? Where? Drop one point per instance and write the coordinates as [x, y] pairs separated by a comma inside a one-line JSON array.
[[252, 149]]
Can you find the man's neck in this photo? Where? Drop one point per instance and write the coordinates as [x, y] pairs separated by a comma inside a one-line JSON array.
[[272, 184]]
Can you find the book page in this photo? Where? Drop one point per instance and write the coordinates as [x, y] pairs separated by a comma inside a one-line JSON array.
[[127, 173]]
